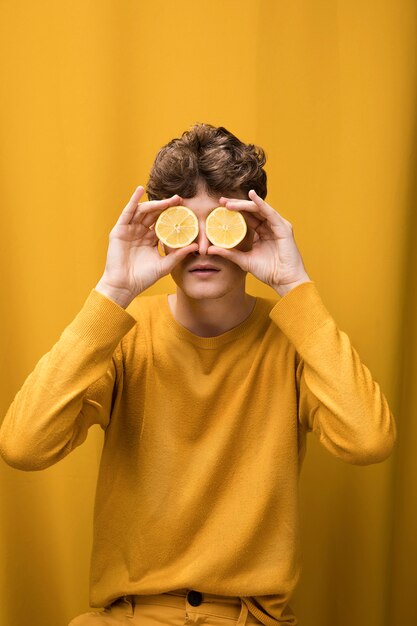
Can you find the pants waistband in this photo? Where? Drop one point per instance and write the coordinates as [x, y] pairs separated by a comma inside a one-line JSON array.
[[211, 604]]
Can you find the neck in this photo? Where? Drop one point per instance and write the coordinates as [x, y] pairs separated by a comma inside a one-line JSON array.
[[210, 317]]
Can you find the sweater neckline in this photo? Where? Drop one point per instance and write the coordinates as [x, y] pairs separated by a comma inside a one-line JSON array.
[[210, 342]]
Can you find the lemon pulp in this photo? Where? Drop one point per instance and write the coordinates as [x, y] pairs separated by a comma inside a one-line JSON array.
[[177, 226], [225, 228]]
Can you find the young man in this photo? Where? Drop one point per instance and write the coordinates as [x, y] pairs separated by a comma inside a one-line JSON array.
[[205, 395]]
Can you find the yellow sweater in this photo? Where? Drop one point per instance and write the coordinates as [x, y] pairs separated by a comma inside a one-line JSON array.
[[204, 439]]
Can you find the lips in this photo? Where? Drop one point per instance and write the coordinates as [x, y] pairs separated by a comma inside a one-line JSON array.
[[204, 268]]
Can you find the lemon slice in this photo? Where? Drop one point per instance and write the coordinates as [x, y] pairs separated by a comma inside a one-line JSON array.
[[225, 228], [177, 226]]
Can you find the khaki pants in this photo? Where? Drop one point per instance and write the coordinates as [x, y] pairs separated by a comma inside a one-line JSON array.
[[174, 608]]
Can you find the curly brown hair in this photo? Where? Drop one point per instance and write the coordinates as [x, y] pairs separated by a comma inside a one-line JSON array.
[[208, 157]]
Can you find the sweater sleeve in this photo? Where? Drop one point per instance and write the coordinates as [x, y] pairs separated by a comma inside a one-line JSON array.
[[338, 399], [70, 389]]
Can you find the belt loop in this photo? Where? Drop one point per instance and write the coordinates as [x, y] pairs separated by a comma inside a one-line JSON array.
[[243, 614], [130, 601]]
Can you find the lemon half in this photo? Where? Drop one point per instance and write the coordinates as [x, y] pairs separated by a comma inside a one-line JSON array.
[[225, 228], [177, 227]]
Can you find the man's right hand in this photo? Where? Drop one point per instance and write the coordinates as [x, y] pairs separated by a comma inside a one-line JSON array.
[[133, 260]]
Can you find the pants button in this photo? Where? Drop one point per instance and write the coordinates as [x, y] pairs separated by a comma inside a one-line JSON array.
[[195, 598]]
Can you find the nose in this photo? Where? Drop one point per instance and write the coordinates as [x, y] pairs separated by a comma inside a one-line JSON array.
[[203, 242]]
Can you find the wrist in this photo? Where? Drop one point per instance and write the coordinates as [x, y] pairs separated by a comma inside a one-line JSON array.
[[284, 289], [122, 297]]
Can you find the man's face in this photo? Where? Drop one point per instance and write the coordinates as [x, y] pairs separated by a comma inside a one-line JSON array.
[[227, 276]]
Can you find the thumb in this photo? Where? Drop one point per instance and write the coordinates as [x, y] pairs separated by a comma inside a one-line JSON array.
[[169, 261], [236, 256]]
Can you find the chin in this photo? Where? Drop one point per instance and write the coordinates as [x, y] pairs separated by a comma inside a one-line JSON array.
[[214, 288], [204, 293]]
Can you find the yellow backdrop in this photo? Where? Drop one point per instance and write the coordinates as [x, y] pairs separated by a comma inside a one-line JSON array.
[[89, 92]]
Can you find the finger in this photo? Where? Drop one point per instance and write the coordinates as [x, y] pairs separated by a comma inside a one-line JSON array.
[[148, 217], [236, 256], [251, 192], [263, 210], [130, 208], [260, 202], [148, 212], [175, 256], [255, 206], [251, 220]]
